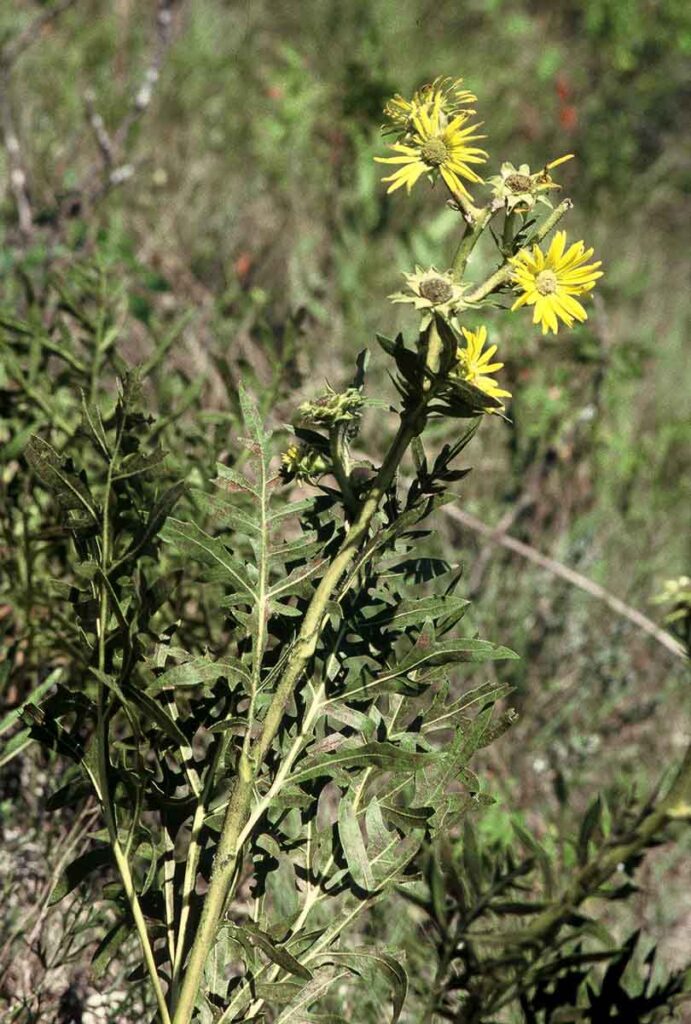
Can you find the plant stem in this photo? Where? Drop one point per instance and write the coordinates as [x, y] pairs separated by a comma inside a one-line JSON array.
[[469, 241], [339, 461], [238, 811], [193, 855], [588, 880]]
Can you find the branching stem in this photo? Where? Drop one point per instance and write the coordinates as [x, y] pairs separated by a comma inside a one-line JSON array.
[[503, 274], [239, 808]]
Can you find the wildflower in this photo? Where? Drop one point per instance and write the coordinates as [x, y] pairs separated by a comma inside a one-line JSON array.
[[550, 282], [475, 366], [302, 462], [436, 146], [453, 99], [519, 190], [431, 291], [332, 408], [290, 458]]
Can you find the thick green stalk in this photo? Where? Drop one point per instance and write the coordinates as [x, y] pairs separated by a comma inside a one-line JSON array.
[[238, 810], [469, 241], [193, 855]]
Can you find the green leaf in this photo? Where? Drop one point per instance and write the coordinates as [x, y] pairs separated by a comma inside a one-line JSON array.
[[591, 823], [353, 844], [71, 492], [92, 424], [311, 993], [276, 953], [236, 480], [225, 950], [408, 818], [190, 539], [430, 653], [156, 518], [19, 742], [451, 652], [351, 717], [442, 716], [78, 870], [136, 463], [197, 671], [415, 612], [540, 854], [276, 993], [369, 755], [108, 947], [364, 961], [151, 709]]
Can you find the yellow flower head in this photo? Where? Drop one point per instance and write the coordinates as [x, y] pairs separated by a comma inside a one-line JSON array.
[[290, 458], [475, 366], [452, 96], [303, 462], [549, 282], [436, 146]]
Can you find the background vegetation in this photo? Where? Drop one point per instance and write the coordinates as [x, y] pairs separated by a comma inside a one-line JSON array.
[[205, 187]]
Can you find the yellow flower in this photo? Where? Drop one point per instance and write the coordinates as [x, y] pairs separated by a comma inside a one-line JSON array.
[[436, 146], [475, 366], [291, 457], [550, 282], [303, 462], [453, 99]]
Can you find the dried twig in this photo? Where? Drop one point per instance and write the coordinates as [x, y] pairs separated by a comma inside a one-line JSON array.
[[142, 99], [114, 168], [15, 47], [17, 177], [98, 127], [576, 579], [484, 558], [9, 54]]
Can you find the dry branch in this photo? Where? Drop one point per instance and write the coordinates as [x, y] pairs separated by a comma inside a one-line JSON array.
[[9, 54], [576, 579]]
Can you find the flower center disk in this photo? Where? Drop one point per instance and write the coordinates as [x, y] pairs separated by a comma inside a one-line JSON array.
[[434, 152], [436, 290], [518, 183], [546, 282]]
